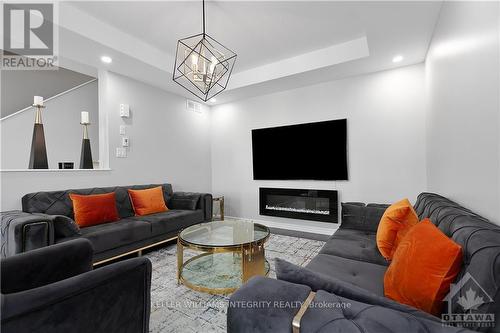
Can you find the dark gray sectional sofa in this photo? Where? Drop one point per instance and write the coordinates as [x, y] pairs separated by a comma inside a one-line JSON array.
[[350, 270], [47, 218]]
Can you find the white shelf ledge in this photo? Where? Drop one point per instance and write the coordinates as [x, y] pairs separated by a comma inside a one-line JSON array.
[[53, 170]]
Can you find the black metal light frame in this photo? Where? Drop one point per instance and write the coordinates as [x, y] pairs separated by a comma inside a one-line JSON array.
[[210, 44]]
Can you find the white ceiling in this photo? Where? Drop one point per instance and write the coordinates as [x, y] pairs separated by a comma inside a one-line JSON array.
[[261, 33]]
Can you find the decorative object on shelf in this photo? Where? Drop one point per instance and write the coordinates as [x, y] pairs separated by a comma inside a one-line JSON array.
[[38, 154], [220, 200], [86, 155], [203, 65], [66, 165]]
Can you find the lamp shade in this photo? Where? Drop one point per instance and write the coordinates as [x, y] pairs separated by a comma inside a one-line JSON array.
[[37, 100], [85, 119]]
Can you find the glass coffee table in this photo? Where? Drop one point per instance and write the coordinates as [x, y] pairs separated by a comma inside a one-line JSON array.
[[231, 253]]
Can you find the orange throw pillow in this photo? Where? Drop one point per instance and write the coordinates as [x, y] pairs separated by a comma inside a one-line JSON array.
[[94, 209], [394, 224], [425, 263], [148, 201]]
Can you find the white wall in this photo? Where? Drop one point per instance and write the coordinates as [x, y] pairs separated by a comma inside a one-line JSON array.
[[462, 74], [386, 139], [167, 144], [63, 132], [20, 86]]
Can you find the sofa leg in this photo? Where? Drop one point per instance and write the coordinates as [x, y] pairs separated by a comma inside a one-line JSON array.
[[139, 253]]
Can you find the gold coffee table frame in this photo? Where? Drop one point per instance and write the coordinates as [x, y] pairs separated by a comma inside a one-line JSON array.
[[253, 261]]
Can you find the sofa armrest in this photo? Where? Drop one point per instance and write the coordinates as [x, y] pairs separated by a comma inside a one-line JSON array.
[[63, 226], [265, 305], [46, 265], [23, 232], [204, 203], [114, 298]]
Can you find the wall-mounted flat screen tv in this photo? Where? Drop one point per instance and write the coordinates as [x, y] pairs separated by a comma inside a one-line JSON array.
[[315, 151]]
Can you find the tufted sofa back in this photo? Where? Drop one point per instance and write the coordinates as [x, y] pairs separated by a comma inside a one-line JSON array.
[[480, 242], [59, 203]]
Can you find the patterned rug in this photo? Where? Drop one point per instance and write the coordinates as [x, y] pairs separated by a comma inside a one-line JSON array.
[[179, 309]]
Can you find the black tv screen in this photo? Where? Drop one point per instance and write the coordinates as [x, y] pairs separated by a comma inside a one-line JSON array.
[[316, 151]]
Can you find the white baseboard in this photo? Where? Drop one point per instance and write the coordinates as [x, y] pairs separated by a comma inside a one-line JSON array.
[[289, 226]]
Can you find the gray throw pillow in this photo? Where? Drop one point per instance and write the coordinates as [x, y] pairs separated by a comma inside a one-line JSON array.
[[184, 201], [65, 227], [357, 215]]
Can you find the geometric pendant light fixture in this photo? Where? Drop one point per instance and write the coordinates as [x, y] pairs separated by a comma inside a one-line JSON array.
[[203, 65]]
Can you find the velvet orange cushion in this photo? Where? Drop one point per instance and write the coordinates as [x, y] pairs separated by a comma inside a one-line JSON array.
[[425, 263], [94, 209], [394, 224], [148, 201]]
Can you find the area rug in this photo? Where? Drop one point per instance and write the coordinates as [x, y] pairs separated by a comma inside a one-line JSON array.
[[176, 308]]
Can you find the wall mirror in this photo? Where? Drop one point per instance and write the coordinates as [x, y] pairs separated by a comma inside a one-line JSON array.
[[66, 94]]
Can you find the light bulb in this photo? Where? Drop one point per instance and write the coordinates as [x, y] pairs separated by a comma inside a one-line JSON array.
[[213, 63]]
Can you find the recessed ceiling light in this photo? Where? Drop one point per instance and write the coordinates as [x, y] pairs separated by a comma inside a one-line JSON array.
[[397, 58], [213, 100], [106, 59]]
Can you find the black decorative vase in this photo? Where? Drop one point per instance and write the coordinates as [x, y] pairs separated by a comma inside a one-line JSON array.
[[38, 154], [86, 155]]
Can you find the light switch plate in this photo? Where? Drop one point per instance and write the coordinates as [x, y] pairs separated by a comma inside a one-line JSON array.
[[124, 110], [123, 130], [121, 152], [125, 142]]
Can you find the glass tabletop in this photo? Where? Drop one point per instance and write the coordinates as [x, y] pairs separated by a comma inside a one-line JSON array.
[[224, 233]]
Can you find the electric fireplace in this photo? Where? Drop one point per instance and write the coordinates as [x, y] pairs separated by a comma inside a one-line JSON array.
[[304, 204]]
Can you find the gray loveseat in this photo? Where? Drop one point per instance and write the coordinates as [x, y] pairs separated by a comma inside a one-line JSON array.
[[47, 218], [349, 270]]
